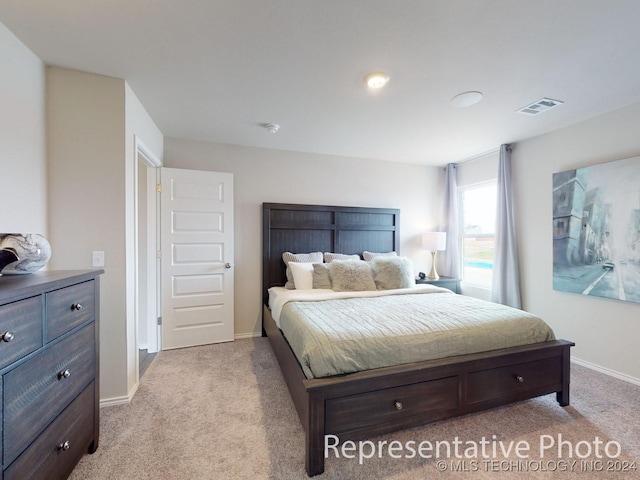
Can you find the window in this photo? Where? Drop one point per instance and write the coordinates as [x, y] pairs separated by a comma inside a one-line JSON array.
[[478, 227]]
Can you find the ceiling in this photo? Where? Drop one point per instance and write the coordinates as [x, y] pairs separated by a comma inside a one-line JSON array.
[[218, 70]]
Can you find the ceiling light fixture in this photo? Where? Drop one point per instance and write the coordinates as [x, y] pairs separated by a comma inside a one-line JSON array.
[[376, 80], [272, 127], [466, 99]]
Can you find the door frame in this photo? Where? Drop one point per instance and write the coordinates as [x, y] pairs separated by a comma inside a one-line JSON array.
[[145, 157]]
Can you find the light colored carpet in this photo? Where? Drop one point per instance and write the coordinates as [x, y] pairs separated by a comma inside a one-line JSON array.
[[224, 412]]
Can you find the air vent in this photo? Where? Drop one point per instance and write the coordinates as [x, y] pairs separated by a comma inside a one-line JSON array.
[[540, 106]]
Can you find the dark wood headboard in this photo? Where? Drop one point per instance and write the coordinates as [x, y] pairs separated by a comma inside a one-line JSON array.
[[322, 228]]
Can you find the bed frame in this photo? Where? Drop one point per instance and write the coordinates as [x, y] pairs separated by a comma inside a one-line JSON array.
[[365, 404]]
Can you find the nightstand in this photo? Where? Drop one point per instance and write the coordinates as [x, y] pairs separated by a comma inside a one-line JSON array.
[[451, 283]]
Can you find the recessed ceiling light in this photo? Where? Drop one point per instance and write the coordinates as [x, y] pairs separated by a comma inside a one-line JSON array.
[[376, 80], [466, 99]]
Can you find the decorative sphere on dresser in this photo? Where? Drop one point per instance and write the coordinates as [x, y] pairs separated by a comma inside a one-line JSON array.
[[23, 253]]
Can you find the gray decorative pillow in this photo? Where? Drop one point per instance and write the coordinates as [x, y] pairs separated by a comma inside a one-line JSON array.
[[351, 276], [368, 256], [321, 277], [313, 257], [392, 272], [330, 257]]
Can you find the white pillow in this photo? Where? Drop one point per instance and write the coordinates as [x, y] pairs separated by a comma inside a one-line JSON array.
[[330, 257], [288, 258], [392, 272], [368, 256], [302, 275], [351, 276]]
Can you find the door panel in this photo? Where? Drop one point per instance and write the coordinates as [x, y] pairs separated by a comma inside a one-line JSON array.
[[197, 257]]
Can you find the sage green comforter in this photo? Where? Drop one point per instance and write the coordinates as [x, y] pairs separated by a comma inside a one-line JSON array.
[[332, 337]]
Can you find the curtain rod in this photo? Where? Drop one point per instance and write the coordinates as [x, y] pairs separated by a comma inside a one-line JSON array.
[[477, 157], [510, 146]]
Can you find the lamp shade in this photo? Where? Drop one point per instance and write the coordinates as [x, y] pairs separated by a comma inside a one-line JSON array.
[[434, 241]]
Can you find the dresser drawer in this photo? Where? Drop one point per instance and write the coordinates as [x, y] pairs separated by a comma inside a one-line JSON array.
[[419, 402], [69, 307], [38, 390], [21, 327], [54, 453], [514, 380]]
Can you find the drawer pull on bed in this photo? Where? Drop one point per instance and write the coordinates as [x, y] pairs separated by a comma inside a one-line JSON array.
[[7, 336], [398, 405], [76, 306], [64, 374], [63, 447], [520, 378]]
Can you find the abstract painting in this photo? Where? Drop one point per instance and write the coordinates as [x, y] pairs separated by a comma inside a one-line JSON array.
[[596, 230]]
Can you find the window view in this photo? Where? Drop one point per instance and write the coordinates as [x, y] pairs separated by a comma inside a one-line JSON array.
[[478, 218]]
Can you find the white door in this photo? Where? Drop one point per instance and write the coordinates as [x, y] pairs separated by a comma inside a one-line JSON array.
[[197, 257]]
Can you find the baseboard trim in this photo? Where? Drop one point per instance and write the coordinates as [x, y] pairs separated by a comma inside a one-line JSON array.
[[112, 402], [241, 336], [606, 371]]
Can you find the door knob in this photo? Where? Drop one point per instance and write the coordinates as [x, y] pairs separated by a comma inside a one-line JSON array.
[[227, 265]]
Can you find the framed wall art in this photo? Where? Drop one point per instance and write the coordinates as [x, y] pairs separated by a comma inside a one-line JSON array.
[[596, 230]]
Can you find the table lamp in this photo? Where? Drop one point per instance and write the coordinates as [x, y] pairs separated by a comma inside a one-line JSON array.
[[434, 241]]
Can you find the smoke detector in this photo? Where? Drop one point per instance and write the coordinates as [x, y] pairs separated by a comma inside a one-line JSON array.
[[272, 127], [540, 106]]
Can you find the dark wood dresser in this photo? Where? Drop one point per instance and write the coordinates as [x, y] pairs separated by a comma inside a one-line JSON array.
[[49, 367]]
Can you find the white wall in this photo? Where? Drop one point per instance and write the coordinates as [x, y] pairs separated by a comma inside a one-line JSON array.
[[262, 175], [22, 139], [605, 331], [86, 154], [91, 122]]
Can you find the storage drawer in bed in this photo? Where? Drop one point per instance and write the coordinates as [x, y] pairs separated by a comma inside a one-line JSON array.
[[418, 402], [514, 380]]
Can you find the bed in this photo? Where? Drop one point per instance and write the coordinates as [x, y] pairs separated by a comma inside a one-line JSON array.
[[380, 400]]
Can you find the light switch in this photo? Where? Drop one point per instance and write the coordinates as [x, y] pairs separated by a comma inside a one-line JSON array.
[[97, 259]]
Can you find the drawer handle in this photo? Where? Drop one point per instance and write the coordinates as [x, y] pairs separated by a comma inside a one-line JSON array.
[[64, 446], [398, 405], [520, 378], [64, 374], [76, 306], [7, 336]]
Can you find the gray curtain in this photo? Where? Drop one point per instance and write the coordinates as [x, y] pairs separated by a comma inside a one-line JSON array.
[[506, 275], [451, 266]]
